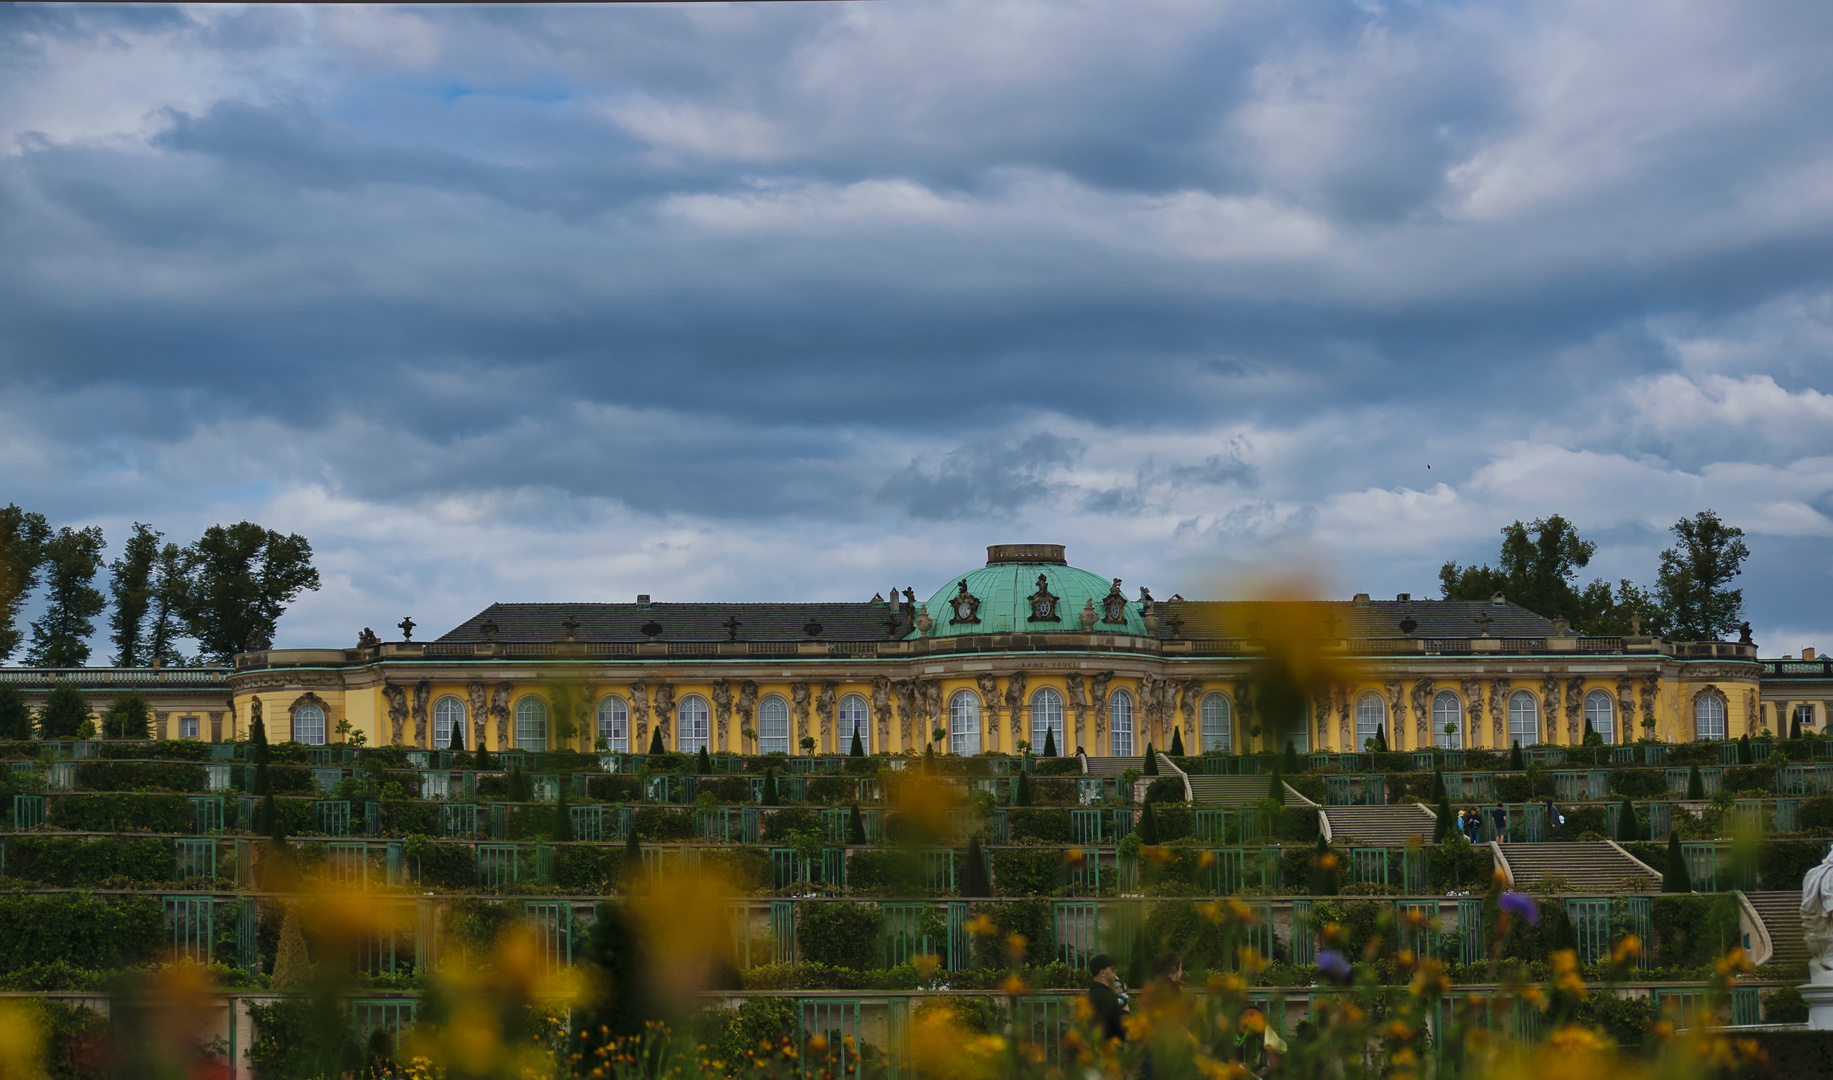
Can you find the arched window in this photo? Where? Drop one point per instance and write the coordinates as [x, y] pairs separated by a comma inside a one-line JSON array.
[[614, 723], [1120, 723], [855, 716], [1447, 710], [773, 726], [531, 724], [309, 725], [690, 724], [1601, 715], [1218, 730], [448, 713], [1046, 719], [1708, 717], [1523, 719], [1371, 714], [964, 723]]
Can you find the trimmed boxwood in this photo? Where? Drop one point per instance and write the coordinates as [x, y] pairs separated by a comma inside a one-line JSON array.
[[584, 867], [1032, 825], [655, 824], [404, 817], [1639, 783], [616, 787], [445, 866], [1027, 871], [139, 776], [82, 930], [780, 823], [80, 861], [841, 933], [123, 812]]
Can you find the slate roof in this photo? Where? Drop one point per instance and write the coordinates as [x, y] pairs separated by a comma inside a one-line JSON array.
[[1367, 619], [868, 621], [684, 622]]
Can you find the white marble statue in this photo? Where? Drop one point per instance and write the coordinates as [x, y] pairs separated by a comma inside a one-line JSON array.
[[1817, 920]]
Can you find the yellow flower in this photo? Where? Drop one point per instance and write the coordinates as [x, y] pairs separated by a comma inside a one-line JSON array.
[[925, 964], [1138, 1027], [1013, 985], [1015, 947], [1627, 948], [981, 925]]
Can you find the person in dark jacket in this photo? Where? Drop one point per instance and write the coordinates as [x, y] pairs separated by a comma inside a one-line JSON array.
[[1104, 1001]]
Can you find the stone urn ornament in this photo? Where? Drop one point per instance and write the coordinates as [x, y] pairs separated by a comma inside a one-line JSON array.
[[1089, 617], [924, 623]]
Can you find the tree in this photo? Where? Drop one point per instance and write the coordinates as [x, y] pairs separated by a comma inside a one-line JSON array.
[[1537, 568], [1438, 785], [563, 819], [1794, 727], [23, 536], [1447, 819], [1629, 829], [622, 1003], [1696, 784], [1291, 757], [1148, 826], [1177, 742], [858, 749], [1151, 768], [267, 819], [242, 578], [61, 637], [165, 618], [1674, 876], [655, 741], [1691, 584], [130, 716], [64, 712], [1050, 742], [292, 968], [131, 584], [257, 740], [975, 882], [15, 714]]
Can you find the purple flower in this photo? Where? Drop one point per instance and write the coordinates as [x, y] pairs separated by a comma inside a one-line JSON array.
[[1333, 964], [1522, 907]]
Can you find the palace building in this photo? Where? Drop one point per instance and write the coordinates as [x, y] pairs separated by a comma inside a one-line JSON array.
[[1005, 653]]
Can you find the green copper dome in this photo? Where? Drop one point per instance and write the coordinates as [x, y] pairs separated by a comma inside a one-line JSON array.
[[1004, 596]]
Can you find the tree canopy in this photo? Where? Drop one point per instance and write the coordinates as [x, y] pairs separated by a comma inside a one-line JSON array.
[[22, 540], [61, 637], [240, 581], [131, 583], [1694, 576]]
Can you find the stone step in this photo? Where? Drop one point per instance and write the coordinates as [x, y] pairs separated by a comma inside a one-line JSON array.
[[1588, 868], [1384, 826], [1781, 915]]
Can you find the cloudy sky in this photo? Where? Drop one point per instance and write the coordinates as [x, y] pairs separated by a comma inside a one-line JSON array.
[[803, 301]]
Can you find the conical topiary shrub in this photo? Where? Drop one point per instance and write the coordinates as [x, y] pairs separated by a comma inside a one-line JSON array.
[[1177, 742], [1292, 765], [1050, 742], [856, 826], [858, 749], [1151, 768], [1323, 870], [1380, 738], [703, 762], [1515, 760], [1022, 797], [1745, 757], [1447, 819], [563, 819], [1674, 875], [655, 741], [292, 967], [975, 881], [770, 796], [1696, 784], [1628, 828], [1148, 826]]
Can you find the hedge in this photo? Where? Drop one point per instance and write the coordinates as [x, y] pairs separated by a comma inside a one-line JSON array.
[[1027, 871], [1026, 824], [123, 812], [76, 861], [406, 817], [780, 823], [140, 776], [80, 929], [842, 933], [657, 825]]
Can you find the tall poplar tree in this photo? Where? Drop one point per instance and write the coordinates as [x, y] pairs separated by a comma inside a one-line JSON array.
[[131, 583], [165, 618], [61, 637], [23, 535], [1694, 576]]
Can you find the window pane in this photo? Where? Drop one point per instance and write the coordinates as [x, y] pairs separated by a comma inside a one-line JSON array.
[[1448, 711], [964, 723], [854, 716], [773, 726], [448, 713], [1046, 717], [691, 724], [1601, 715], [308, 725], [1120, 723], [1523, 719], [1218, 726], [1371, 714], [1709, 715], [531, 724], [614, 724]]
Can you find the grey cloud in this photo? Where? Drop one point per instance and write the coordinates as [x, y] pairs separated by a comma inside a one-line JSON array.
[[982, 479]]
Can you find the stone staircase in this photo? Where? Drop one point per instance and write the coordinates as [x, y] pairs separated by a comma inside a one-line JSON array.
[[1237, 790], [1380, 826], [1114, 766], [1588, 869], [1781, 915]]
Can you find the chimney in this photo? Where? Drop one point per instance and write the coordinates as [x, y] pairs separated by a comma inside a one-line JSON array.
[[642, 598], [1405, 597], [1808, 653], [1361, 599]]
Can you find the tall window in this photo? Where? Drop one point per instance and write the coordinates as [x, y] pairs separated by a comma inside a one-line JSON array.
[[964, 723], [1046, 719], [1601, 715], [308, 725], [1804, 715], [1371, 713], [531, 724], [773, 726], [1120, 723], [855, 716], [448, 713], [1447, 710], [614, 723], [1218, 730], [1523, 719], [690, 724], [1708, 718]]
